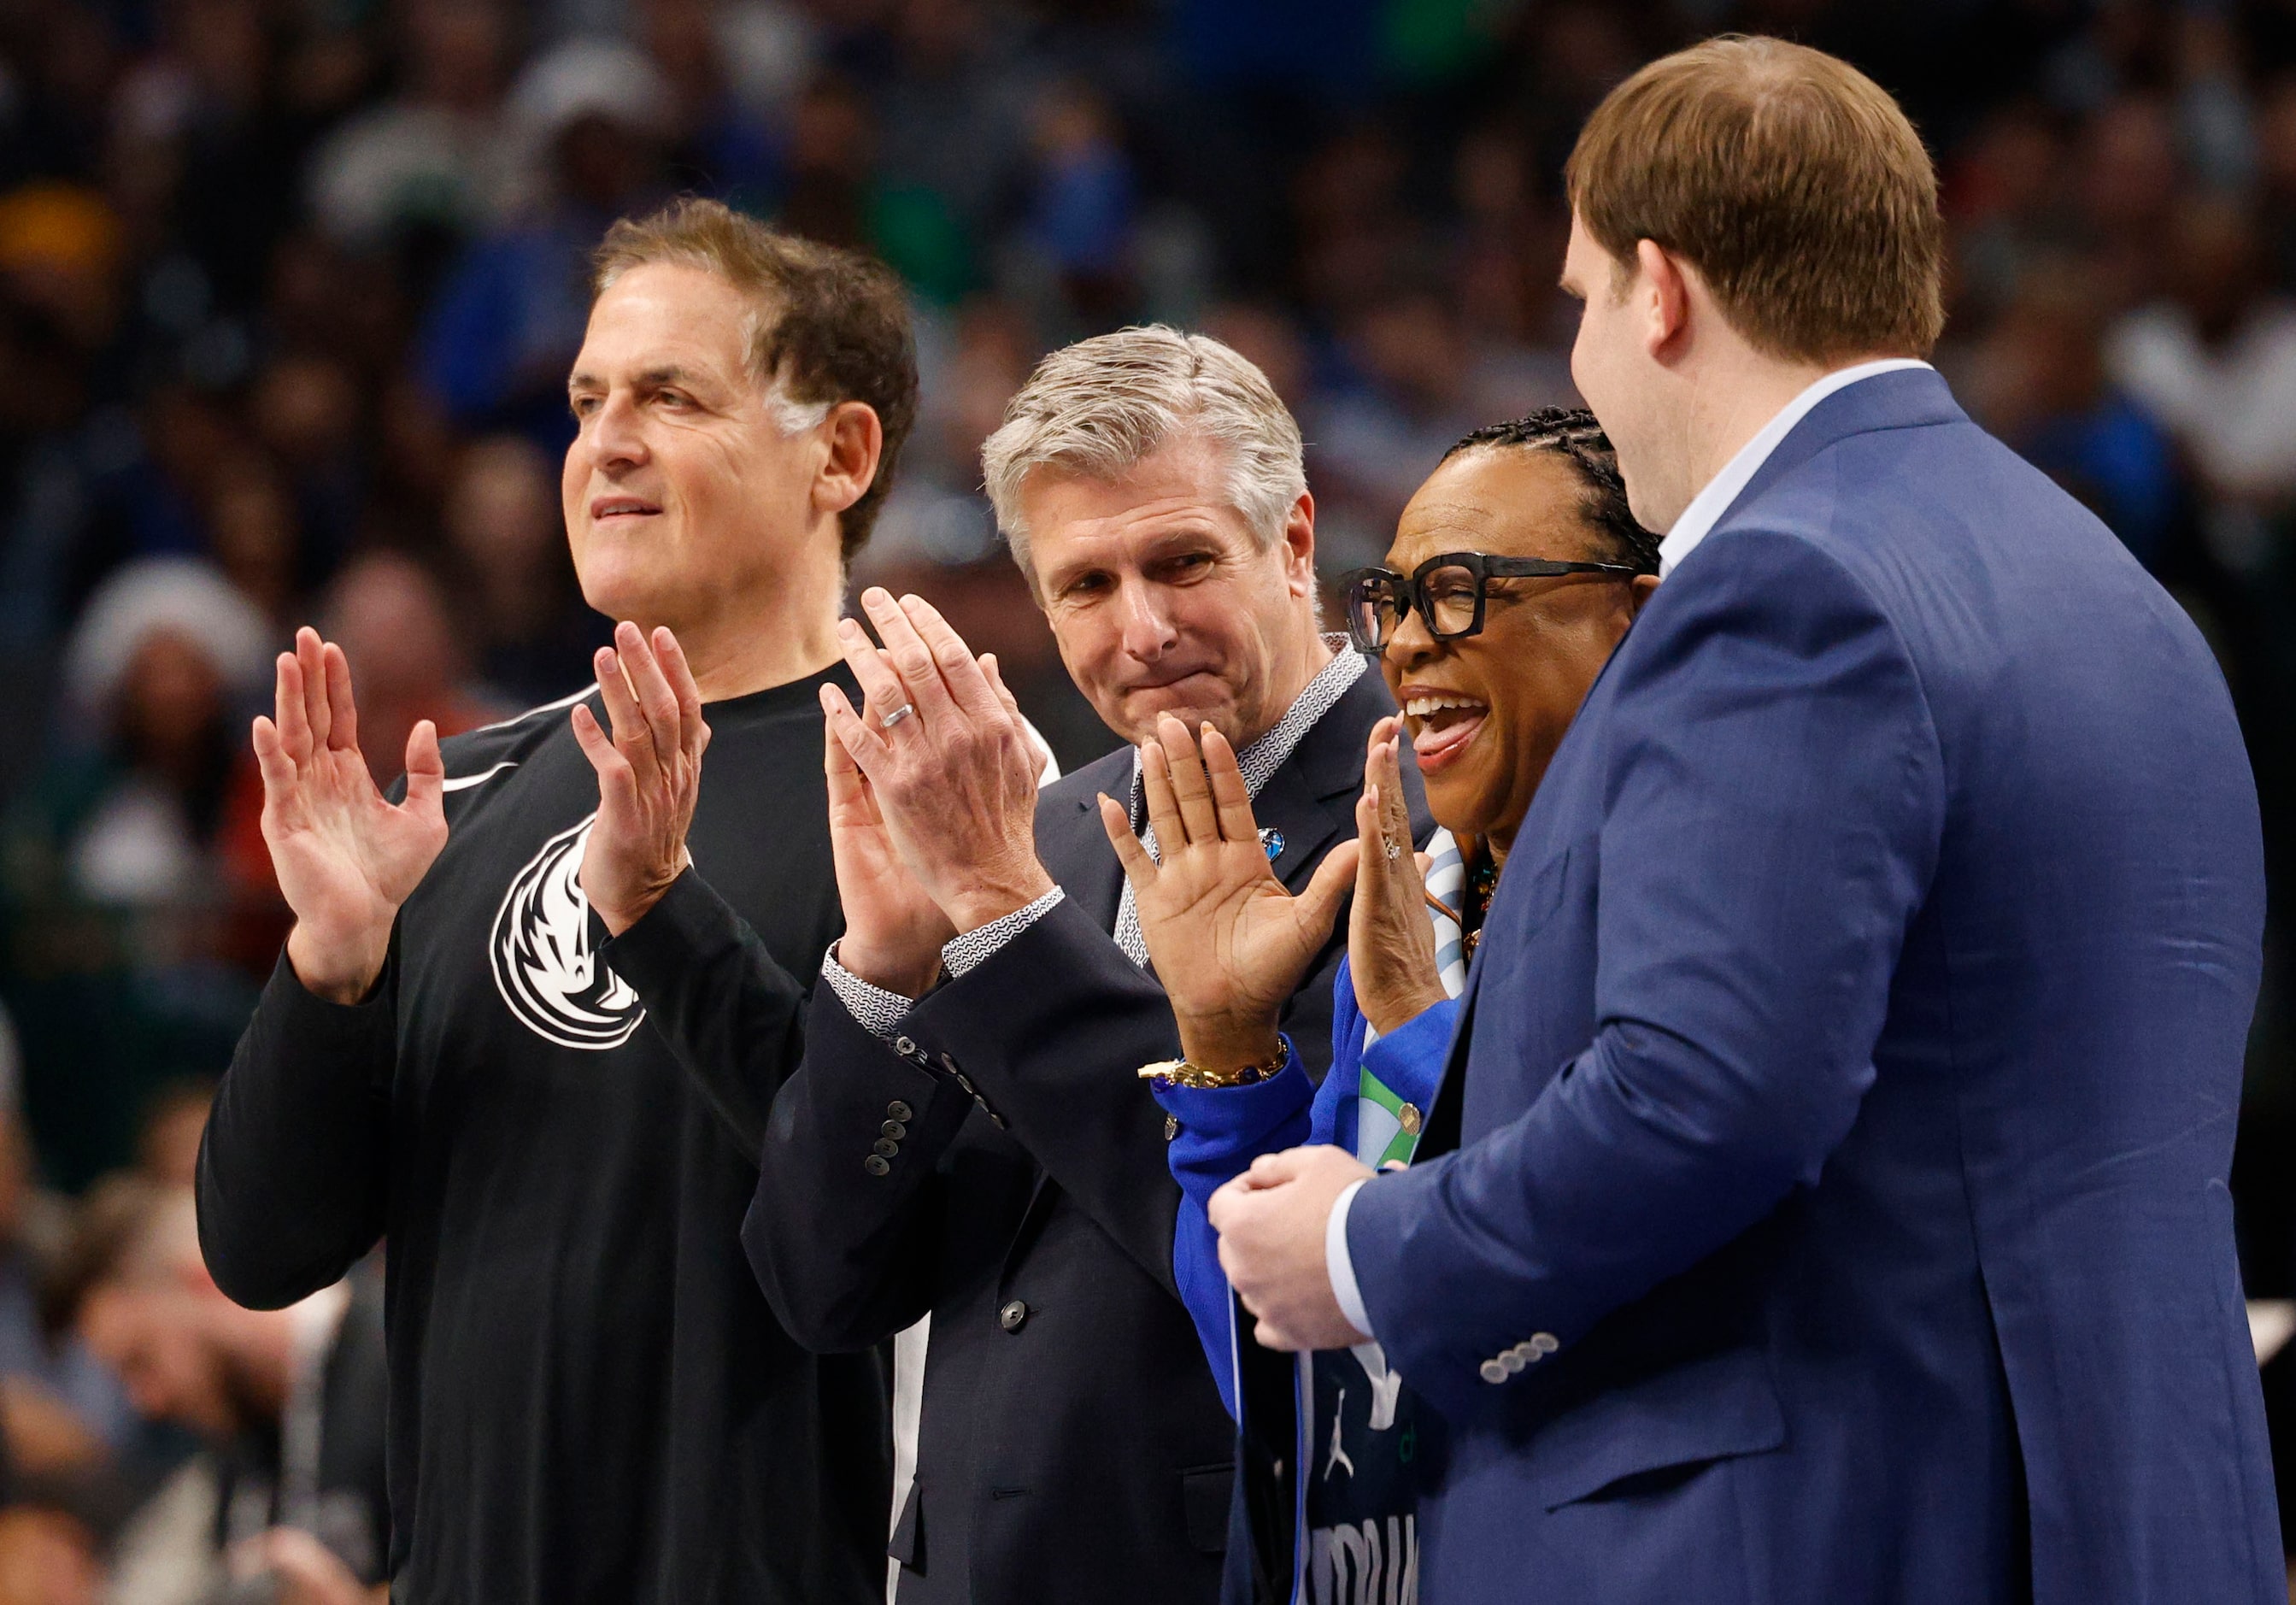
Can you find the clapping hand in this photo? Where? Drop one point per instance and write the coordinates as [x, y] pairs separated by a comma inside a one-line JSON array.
[[649, 773], [1391, 940], [894, 931], [951, 770], [1230, 943], [345, 858]]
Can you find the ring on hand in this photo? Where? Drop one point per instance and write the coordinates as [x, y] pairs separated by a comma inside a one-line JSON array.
[[899, 714], [1393, 851]]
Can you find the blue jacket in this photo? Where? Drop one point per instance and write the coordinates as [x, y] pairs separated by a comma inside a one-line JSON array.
[[1218, 1134], [1222, 1130], [1846, 1081]]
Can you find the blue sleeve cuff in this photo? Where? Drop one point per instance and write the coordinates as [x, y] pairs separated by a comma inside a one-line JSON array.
[[1409, 1062], [1222, 1130]]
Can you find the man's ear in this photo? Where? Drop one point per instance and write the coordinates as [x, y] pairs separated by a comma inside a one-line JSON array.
[[1662, 288], [1300, 546], [856, 438], [1639, 590]]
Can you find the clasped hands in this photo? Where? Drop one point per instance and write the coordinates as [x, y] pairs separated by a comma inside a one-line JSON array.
[[1231, 945]]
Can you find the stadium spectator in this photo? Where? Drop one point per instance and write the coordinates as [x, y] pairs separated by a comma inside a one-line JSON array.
[[156, 663], [287, 1403]]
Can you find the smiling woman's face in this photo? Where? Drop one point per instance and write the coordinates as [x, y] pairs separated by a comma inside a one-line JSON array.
[[1486, 713]]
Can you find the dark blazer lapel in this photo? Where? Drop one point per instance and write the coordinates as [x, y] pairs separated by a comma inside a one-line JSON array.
[[1307, 822], [1071, 842], [1312, 797]]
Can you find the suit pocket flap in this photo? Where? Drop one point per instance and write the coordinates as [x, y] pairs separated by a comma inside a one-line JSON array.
[[1708, 1409], [1205, 1495]]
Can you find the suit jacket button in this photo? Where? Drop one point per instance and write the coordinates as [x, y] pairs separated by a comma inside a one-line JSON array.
[[904, 1046], [895, 1130], [875, 1164], [1491, 1370], [1012, 1316], [1544, 1342], [898, 1110], [1511, 1363], [886, 1146]]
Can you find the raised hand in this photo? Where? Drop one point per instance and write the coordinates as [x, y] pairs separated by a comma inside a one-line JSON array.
[[1230, 943], [1390, 941], [649, 773], [949, 762], [345, 858], [893, 929]]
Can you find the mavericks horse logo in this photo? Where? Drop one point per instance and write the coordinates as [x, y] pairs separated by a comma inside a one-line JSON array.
[[543, 964]]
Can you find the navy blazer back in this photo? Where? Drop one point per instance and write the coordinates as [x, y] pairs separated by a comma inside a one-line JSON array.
[[1847, 1081]]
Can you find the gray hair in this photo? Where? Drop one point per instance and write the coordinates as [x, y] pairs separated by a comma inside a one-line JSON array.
[[1099, 407]]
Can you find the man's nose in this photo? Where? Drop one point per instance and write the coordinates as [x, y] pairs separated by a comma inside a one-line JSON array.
[[615, 435], [1148, 628]]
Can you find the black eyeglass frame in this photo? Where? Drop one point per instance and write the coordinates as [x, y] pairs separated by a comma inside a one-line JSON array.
[[1484, 568]]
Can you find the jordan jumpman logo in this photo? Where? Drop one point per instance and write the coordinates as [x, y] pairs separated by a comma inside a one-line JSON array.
[[1339, 1454]]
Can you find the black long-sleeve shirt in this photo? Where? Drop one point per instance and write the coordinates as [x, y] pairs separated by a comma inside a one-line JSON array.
[[590, 1400]]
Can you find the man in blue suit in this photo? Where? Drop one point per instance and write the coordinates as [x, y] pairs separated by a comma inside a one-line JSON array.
[[1846, 1083]]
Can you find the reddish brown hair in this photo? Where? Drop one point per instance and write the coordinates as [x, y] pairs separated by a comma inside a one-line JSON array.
[[830, 325], [1789, 179]]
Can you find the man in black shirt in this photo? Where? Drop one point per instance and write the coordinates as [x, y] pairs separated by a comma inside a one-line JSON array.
[[589, 1400]]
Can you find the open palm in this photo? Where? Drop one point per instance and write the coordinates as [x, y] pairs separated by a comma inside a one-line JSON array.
[[345, 858], [1230, 943]]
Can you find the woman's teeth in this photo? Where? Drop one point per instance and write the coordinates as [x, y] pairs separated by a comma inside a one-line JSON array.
[[1445, 724], [1426, 707]]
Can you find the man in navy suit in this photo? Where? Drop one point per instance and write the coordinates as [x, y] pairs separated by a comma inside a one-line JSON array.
[[1845, 1087]]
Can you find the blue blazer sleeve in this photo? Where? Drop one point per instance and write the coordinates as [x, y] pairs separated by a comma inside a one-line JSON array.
[[1772, 806], [1221, 1130]]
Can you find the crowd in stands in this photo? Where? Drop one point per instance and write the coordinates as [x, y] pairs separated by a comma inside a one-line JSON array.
[[288, 292]]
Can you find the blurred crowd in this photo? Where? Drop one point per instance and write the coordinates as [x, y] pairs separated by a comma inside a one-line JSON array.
[[288, 291]]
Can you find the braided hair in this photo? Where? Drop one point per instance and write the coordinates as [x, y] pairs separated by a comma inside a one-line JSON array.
[[1572, 432]]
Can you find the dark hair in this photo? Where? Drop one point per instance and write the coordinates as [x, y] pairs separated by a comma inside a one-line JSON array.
[[1572, 433], [833, 324]]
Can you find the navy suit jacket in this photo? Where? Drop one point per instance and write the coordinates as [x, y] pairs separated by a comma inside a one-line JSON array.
[[1846, 1083]]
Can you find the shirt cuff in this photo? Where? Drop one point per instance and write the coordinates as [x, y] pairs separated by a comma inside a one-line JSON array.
[[875, 1010], [977, 947], [1340, 1267]]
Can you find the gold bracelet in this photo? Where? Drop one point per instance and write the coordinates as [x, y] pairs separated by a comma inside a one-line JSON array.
[[1167, 1073]]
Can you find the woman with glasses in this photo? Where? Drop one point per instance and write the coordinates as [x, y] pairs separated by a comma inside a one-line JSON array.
[[1515, 572]]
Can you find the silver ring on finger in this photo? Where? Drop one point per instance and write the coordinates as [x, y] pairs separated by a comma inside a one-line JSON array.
[[899, 714], [1393, 850]]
